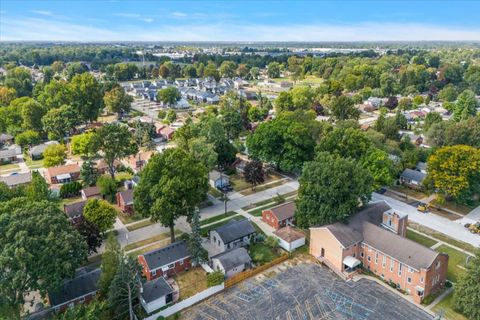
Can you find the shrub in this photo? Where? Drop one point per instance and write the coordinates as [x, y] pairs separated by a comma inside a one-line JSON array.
[[448, 284], [272, 242], [215, 278], [70, 189]]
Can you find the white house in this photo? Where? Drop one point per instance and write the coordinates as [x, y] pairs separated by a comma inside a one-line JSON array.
[[231, 262], [156, 294], [290, 238]]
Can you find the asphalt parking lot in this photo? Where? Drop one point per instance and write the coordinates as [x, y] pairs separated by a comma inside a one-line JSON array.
[[305, 291]]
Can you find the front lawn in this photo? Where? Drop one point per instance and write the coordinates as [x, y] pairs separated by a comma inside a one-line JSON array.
[[9, 167], [215, 193], [218, 218], [191, 282], [442, 237], [456, 260], [447, 305], [140, 225], [34, 164], [126, 219], [239, 184], [158, 237], [263, 187], [261, 253], [417, 237], [410, 192]]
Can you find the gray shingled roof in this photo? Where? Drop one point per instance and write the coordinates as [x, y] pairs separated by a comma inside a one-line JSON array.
[[344, 234], [164, 256], [13, 151], [233, 258], [91, 191], [75, 209], [127, 196], [17, 179], [76, 287], [413, 175], [235, 229], [404, 250], [152, 290], [421, 166], [284, 211]]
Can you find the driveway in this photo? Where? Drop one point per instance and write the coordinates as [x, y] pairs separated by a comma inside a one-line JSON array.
[[473, 216], [453, 229]]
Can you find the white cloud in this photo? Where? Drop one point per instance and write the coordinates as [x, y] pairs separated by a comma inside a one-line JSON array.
[[177, 14], [14, 28], [42, 12], [127, 15]]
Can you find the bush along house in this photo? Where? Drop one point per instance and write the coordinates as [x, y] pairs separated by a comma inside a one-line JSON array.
[[166, 261], [374, 239]]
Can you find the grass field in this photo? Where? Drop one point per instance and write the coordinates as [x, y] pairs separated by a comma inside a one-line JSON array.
[[158, 237], [456, 260], [261, 253], [9, 167], [247, 192], [191, 282], [427, 242], [126, 219], [139, 225], [205, 230], [440, 236], [218, 218], [410, 192], [34, 164], [447, 305]]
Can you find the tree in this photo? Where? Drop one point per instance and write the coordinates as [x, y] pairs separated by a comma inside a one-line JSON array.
[[467, 290], [254, 173], [331, 189], [466, 106], [115, 142], [81, 144], [171, 116], [87, 97], [349, 142], [125, 287], [108, 187], [380, 166], [197, 252], [448, 93], [38, 249], [109, 264], [173, 183], [7, 95], [94, 310], [88, 173], [343, 108], [54, 155], [204, 152], [227, 69], [254, 72], [32, 113], [169, 96], [273, 70], [242, 70], [20, 80], [55, 94], [211, 71], [70, 189], [455, 172], [431, 118], [391, 103], [100, 213], [163, 71], [117, 101], [90, 233], [27, 138], [38, 189], [59, 122], [472, 78]]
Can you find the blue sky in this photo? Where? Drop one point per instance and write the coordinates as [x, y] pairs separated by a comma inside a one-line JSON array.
[[251, 20]]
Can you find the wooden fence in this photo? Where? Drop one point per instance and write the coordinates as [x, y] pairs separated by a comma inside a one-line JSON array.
[[249, 273]]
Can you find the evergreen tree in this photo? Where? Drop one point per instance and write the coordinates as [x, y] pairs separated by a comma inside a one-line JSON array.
[[88, 173], [197, 252], [109, 264], [467, 290]]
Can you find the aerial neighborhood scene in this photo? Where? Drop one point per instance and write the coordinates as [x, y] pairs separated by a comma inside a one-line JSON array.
[[219, 160]]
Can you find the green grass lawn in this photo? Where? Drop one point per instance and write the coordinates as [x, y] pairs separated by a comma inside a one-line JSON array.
[[261, 253], [239, 184], [215, 193], [9, 167], [447, 305], [218, 218], [427, 242], [126, 219], [158, 237], [455, 260], [32, 164], [459, 208], [410, 192], [139, 225], [258, 211], [205, 230]]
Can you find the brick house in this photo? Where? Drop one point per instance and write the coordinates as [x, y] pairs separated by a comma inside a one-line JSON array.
[[74, 211], [91, 192], [166, 261], [62, 174], [81, 289], [375, 239], [279, 216], [125, 201], [138, 161]]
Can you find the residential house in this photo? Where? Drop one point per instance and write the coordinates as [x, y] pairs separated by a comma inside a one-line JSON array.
[[166, 261], [166, 132], [279, 216], [11, 154], [218, 180], [74, 211], [102, 166], [289, 238], [415, 139], [6, 138], [17, 179], [374, 238], [138, 161], [233, 234], [412, 178], [422, 167], [81, 289], [231, 262], [156, 294], [91, 192], [62, 174], [125, 201], [37, 151]]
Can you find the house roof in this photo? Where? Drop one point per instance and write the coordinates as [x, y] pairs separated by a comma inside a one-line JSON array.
[[421, 166], [152, 290], [289, 234], [75, 288], [5, 137], [413, 175], [235, 229], [404, 250], [69, 168], [74, 209], [344, 234], [127, 196], [12, 151], [17, 179], [39, 149], [284, 211], [215, 175], [160, 257], [233, 258], [91, 191]]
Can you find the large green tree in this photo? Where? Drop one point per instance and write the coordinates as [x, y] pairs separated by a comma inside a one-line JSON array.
[[331, 190], [54, 155], [345, 142], [466, 106], [38, 249], [117, 101], [109, 266], [343, 108], [172, 184], [59, 122], [115, 142], [87, 97], [467, 290], [100, 213], [169, 96]]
